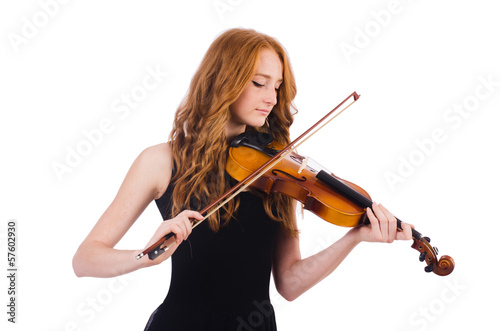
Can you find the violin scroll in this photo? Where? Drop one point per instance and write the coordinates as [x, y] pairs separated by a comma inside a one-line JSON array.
[[442, 267]]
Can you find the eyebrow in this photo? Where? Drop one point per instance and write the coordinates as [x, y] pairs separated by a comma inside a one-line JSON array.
[[268, 77]]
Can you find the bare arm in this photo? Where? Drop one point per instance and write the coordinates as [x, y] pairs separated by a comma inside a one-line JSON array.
[[293, 275], [146, 180]]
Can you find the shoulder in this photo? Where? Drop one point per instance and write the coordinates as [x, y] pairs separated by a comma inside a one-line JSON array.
[[160, 154], [156, 163]]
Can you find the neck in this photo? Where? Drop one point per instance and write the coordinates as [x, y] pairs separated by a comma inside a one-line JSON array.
[[234, 130]]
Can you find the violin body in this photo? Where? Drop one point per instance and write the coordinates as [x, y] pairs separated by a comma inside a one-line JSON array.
[[288, 178], [333, 199]]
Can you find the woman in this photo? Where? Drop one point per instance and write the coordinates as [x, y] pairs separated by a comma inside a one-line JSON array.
[[220, 275]]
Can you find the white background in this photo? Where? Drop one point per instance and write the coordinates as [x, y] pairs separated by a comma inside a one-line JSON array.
[[415, 63]]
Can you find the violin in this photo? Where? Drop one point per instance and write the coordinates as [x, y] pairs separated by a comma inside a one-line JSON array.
[[256, 161], [335, 200]]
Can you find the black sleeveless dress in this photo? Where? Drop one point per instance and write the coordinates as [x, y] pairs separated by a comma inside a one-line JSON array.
[[220, 281]]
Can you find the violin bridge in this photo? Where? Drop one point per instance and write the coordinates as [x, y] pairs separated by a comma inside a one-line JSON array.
[[303, 164]]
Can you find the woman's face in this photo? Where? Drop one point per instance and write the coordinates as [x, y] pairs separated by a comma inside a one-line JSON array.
[[258, 97]]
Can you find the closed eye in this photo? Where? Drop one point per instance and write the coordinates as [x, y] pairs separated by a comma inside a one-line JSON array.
[[257, 84]]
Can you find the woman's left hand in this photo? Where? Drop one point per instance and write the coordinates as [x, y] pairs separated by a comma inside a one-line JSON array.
[[383, 226]]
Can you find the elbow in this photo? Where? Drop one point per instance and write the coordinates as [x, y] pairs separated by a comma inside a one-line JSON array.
[[78, 264], [289, 298], [84, 262], [288, 285], [77, 269], [288, 293]]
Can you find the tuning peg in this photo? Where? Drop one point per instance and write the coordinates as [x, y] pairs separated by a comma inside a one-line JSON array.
[[429, 268], [436, 250], [422, 256], [428, 239]]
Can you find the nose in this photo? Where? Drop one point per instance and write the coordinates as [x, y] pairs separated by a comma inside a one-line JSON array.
[[271, 96]]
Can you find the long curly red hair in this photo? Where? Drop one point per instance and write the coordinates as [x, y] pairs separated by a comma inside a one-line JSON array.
[[198, 139]]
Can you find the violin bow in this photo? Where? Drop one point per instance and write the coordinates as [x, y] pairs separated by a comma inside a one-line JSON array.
[[166, 241]]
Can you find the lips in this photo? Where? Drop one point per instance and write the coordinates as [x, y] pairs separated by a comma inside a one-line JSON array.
[[264, 111]]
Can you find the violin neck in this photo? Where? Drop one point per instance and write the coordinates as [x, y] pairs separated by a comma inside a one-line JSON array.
[[355, 196]]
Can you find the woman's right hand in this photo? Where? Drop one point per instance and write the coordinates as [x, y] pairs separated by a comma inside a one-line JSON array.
[[181, 226]]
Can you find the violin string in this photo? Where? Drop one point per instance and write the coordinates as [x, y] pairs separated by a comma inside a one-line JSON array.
[[245, 183], [249, 181]]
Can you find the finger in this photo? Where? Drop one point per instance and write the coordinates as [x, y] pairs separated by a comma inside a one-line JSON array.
[[375, 227], [187, 227], [188, 219], [382, 220], [192, 214], [191, 217], [178, 230], [392, 223], [406, 234]]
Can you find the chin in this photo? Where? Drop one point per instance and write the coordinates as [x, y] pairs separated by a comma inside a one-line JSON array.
[[257, 123]]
